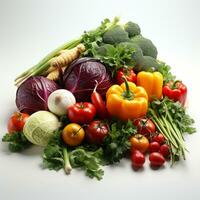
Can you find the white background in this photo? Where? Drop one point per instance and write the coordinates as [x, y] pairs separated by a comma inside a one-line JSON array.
[[30, 29]]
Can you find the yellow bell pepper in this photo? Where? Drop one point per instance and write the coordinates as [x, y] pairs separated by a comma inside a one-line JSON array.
[[127, 101], [152, 82]]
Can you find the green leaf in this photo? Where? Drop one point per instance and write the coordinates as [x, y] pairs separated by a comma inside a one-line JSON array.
[[116, 144], [17, 141]]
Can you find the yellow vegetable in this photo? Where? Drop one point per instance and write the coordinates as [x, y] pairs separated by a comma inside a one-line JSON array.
[[152, 82]]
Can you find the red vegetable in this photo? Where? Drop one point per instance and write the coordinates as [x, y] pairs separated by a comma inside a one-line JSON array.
[[145, 127], [176, 91], [32, 95], [156, 159], [128, 73], [16, 122], [99, 104], [137, 158], [79, 78], [159, 138], [165, 150], [154, 147], [96, 131], [81, 113]]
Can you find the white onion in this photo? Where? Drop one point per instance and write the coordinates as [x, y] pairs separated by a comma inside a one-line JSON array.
[[60, 100]]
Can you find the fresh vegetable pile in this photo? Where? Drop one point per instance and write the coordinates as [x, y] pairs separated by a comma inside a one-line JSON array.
[[98, 99]]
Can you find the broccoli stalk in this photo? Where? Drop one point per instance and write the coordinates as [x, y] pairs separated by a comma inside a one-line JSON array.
[[67, 165]]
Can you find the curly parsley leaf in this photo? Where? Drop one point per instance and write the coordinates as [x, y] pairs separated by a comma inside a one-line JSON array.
[[17, 141], [53, 158], [116, 144], [90, 161], [165, 70]]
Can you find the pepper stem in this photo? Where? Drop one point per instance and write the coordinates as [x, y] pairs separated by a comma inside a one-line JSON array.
[[127, 93], [174, 86]]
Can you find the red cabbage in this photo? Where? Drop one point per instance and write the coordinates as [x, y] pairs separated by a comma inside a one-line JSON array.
[[81, 76], [32, 94]]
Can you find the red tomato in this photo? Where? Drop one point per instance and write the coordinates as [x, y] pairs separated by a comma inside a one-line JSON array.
[[154, 147], [165, 150], [99, 104], [81, 113], [16, 122], [145, 127], [137, 158], [96, 131], [156, 159], [159, 138], [128, 73]]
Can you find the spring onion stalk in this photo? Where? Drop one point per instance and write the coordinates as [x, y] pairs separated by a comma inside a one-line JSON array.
[[67, 165], [44, 64], [165, 124]]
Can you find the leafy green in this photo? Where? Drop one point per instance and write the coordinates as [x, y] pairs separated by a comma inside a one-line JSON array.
[[55, 156], [17, 141], [179, 115], [89, 161], [117, 143], [115, 56], [172, 120], [165, 70], [93, 39]]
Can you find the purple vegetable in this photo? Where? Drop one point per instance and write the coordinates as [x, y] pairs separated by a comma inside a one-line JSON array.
[[81, 76], [32, 95]]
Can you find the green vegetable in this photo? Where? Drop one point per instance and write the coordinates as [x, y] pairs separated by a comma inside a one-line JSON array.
[[89, 39], [132, 28], [172, 120], [117, 143], [17, 141], [55, 155], [148, 48], [165, 70], [115, 35], [148, 64], [40, 126], [89, 161], [115, 57]]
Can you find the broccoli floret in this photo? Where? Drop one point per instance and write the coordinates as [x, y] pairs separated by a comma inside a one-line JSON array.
[[132, 28], [148, 48], [137, 56], [149, 64], [115, 35]]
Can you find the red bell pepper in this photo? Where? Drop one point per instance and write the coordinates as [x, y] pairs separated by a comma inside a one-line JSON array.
[[176, 91], [128, 73]]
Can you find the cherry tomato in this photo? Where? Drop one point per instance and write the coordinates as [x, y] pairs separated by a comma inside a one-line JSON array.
[[73, 134], [16, 122], [81, 113], [137, 158], [159, 138], [99, 104], [128, 73], [156, 159], [96, 131], [145, 127], [165, 150], [139, 142], [154, 147]]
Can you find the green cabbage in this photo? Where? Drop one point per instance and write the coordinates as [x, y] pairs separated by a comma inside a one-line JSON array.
[[40, 127]]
